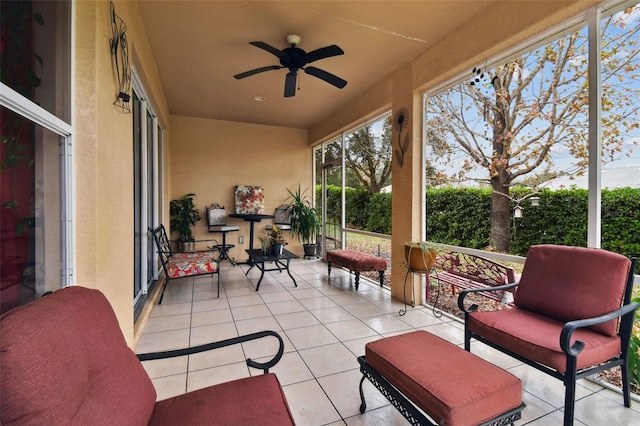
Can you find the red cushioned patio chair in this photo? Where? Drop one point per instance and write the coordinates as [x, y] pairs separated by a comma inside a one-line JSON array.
[[182, 265], [572, 316], [64, 360]]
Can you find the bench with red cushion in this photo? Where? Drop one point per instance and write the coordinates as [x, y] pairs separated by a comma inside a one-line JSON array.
[[451, 385], [357, 261]]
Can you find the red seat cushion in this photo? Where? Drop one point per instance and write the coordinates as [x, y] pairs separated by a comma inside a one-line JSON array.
[[356, 261], [452, 385], [256, 400], [538, 337], [569, 283]]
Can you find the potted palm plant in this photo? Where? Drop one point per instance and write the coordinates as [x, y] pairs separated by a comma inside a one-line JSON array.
[[305, 221], [184, 215]]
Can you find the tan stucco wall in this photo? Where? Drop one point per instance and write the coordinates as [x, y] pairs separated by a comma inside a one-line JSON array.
[[103, 150], [209, 157]]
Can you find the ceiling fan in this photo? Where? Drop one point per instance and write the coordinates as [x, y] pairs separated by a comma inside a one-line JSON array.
[[296, 59]]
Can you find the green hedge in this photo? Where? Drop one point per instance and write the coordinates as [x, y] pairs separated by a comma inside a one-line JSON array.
[[357, 202], [459, 217], [462, 217]]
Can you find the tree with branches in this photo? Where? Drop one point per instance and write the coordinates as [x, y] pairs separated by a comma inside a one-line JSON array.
[[515, 122], [368, 158]]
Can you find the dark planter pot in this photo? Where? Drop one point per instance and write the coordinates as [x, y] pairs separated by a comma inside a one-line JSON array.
[[276, 249], [309, 250]]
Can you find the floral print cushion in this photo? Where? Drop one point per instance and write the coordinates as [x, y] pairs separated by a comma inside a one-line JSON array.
[[249, 200], [194, 263]]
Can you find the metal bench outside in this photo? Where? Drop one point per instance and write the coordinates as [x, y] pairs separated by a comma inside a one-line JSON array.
[[463, 271]]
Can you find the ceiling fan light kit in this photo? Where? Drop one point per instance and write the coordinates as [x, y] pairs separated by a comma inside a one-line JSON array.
[[293, 58], [293, 40]]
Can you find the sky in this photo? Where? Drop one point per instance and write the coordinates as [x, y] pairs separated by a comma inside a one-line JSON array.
[[560, 156]]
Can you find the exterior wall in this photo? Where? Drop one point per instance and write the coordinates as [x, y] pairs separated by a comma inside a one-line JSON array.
[[407, 181], [103, 150], [209, 157]]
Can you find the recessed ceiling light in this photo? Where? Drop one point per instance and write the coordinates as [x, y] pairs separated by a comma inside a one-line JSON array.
[[260, 99]]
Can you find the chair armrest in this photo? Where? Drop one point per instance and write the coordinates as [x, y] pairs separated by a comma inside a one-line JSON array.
[[626, 312], [473, 307], [194, 241], [197, 251], [208, 250], [220, 344]]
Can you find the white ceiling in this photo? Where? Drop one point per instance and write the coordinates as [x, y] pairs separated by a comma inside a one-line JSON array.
[[200, 45]]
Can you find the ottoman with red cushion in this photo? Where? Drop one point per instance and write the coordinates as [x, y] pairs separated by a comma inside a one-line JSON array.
[[451, 385], [357, 262]]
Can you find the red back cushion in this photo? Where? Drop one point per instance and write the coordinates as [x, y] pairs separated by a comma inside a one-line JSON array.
[[64, 360], [570, 283]]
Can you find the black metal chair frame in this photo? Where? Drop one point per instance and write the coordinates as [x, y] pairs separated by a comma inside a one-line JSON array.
[[264, 366], [626, 316], [164, 250], [223, 228]]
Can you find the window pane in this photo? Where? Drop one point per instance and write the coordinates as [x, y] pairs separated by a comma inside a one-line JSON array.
[[150, 202], [333, 196], [503, 134], [31, 226], [620, 70], [35, 52], [138, 224]]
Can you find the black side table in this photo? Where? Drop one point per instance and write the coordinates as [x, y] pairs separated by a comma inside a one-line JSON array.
[[258, 258]]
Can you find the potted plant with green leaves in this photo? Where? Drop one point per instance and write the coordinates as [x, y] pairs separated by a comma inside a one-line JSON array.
[[305, 221], [273, 241], [420, 256], [184, 215]]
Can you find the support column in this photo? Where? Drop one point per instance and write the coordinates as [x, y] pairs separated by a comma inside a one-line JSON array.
[[407, 188]]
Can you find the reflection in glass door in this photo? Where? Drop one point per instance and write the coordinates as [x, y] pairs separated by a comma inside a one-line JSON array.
[[34, 245], [137, 196], [147, 135], [328, 166]]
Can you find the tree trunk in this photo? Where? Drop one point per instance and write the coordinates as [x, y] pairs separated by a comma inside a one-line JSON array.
[[500, 234]]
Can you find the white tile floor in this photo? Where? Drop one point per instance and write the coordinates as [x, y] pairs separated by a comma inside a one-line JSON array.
[[325, 324]]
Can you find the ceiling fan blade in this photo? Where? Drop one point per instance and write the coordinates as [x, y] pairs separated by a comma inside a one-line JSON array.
[[268, 48], [324, 52], [326, 76], [290, 84], [256, 71]]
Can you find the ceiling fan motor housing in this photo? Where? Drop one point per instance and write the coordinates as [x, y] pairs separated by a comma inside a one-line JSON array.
[[294, 58]]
